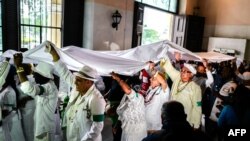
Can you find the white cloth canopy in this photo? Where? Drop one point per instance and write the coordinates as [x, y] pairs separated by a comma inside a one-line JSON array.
[[126, 62], [214, 56]]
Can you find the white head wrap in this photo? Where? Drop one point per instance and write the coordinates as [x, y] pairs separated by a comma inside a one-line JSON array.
[[190, 68]]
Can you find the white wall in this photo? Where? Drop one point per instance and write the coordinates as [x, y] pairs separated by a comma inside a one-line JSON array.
[[98, 32], [239, 45], [226, 18], [228, 31]]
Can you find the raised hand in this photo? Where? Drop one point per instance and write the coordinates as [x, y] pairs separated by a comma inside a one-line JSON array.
[[125, 87], [151, 65], [177, 56], [114, 76], [18, 59], [205, 62], [162, 62], [50, 47]]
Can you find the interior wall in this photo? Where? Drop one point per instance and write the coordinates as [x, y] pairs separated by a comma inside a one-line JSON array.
[[98, 32], [182, 7], [226, 18], [191, 4]]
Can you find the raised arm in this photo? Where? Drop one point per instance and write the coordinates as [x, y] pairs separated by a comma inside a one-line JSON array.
[[60, 67], [26, 86], [159, 77], [169, 69], [18, 59], [210, 78], [125, 87]]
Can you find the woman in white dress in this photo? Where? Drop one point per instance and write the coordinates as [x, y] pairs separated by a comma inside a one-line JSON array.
[[131, 113]]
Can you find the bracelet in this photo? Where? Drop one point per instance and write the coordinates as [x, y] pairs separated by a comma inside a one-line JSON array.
[[20, 69]]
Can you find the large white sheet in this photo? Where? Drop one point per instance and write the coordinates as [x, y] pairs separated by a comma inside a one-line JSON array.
[[154, 52], [214, 56], [127, 62]]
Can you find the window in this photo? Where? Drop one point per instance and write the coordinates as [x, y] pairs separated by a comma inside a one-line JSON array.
[[168, 5], [154, 28], [1, 39], [151, 24], [40, 20]]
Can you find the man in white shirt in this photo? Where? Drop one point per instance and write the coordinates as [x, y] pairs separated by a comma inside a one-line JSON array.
[[84, 114]]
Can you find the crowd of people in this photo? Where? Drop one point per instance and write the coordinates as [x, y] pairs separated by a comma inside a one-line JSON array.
[[171, 100]]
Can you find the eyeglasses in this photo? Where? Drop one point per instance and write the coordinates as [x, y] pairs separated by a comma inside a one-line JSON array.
[[185, 71]]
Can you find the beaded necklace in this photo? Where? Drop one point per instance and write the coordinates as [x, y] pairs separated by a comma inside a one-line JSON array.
[[179, 89], [147, 101]]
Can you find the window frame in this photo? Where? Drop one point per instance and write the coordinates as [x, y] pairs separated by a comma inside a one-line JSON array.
[[41, 26], [162, 9]]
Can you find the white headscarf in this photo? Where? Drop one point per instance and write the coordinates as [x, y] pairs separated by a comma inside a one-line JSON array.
[[190, 67]]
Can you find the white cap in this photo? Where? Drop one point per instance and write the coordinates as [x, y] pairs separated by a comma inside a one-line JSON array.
[[44, 69], [88, 73], [190, 68], [4, 71], [227, 88]]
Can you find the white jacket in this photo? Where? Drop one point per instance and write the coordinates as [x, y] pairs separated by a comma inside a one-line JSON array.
[[154, 100], [28, 112], [45, 105], [84, 115], [189, 95], [11, 129]]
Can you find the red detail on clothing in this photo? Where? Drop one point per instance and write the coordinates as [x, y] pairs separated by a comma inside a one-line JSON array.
[[145, 81]]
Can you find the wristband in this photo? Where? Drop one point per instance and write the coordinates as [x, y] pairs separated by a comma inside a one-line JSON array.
[[20, 69]]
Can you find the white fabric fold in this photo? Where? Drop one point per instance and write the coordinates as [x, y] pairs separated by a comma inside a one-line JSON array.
[[127, 62]]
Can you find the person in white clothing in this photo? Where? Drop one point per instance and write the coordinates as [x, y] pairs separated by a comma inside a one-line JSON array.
[[156, 95], [84, 114], [10, 118], [185, 91], [45, 94], [27, 106], [131, 112]]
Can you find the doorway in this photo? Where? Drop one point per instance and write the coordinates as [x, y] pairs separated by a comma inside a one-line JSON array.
[[157, 26]]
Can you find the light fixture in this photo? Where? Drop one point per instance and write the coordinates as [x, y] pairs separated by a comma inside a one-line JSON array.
[[116, 17]]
